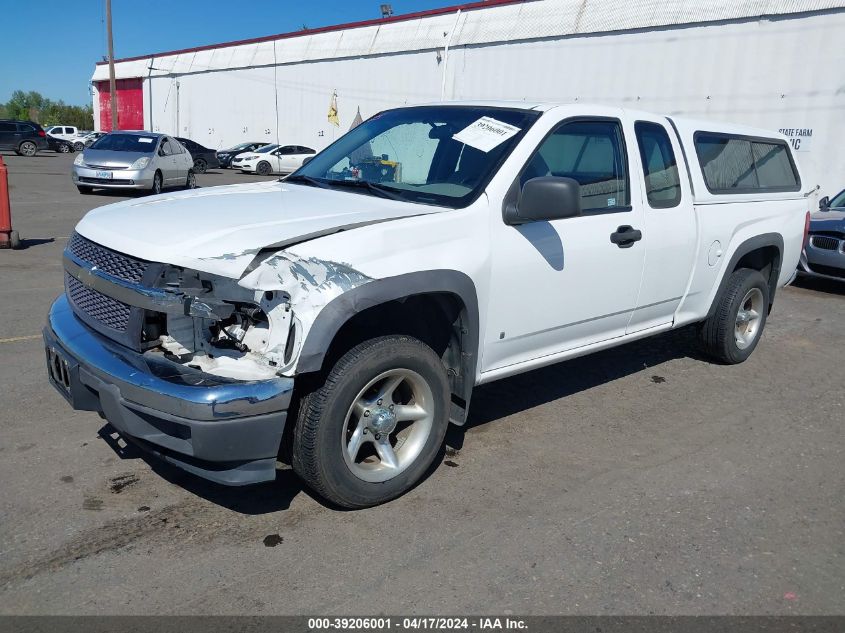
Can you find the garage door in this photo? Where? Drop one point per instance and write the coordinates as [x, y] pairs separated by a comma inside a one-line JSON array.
[[130, 105]]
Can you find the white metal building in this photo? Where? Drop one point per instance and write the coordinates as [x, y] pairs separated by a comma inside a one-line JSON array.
[[776, 64]]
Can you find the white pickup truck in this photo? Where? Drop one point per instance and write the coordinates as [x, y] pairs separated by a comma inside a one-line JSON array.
[[340, 318]]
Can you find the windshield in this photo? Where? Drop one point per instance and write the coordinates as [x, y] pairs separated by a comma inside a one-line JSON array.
[[266, 148], [441, 155], [126, 143], [838, 200], [241, 147]]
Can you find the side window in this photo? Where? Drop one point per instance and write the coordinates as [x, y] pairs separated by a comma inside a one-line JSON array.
[[774, 167], [68, 130], [662, 181], [286, 150], [590, 152], [166, 148], [7, 127], [736, 164]]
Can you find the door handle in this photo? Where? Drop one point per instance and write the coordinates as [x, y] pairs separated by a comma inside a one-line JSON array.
[[625, 236]]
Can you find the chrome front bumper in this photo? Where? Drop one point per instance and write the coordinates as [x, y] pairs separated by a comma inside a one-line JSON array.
[[224, 430]]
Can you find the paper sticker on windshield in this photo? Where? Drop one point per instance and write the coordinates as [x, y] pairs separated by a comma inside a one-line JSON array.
[[486, 133], [145, 140]]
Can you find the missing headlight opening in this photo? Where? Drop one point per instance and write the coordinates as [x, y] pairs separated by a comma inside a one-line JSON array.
[[226, 330]]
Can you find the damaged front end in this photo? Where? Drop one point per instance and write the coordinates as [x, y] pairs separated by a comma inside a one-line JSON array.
[[250, 328]]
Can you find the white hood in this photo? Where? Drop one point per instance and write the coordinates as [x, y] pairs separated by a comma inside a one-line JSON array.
[[218, 230]]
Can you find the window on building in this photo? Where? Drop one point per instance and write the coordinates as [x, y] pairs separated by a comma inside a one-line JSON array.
[[662, 181], [738, 164]]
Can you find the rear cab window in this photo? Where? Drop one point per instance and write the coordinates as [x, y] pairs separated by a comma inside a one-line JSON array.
[[660, 169], [735, 164]]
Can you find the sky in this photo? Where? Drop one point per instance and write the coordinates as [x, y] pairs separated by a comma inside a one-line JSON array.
[[72, 35]]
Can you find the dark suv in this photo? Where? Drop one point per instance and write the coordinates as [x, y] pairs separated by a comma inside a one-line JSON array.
[[24, 137]]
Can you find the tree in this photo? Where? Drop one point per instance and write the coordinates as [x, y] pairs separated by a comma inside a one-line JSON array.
[[34, 106]]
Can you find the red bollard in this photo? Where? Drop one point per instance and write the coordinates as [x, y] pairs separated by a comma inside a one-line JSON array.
[[8, 237]]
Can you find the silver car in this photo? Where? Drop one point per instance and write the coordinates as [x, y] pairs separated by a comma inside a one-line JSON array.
[[824, 251], [134, 160]]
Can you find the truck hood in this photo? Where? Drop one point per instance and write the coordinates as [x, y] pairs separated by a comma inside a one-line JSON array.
[[220, 229]]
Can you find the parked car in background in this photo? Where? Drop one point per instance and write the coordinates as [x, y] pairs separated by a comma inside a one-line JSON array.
[[66, 132], [273, 159], [824, 252], [24, 137], [204, 158], [89, 138], [225, 156], [60, 145], [134, 160], [429, 250]]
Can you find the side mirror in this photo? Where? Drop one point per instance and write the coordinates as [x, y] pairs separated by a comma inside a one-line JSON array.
[[824, 203], [545, 198]]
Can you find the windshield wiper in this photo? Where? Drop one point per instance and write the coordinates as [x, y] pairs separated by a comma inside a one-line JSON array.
[[307, 180], [379, 190]]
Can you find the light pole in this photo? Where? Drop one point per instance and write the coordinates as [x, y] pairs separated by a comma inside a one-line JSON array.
[[112, 87]]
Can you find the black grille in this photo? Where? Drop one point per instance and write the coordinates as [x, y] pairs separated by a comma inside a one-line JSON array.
[[825, 242], [115, 264], [105, 310], [106, 181], [828, 270]]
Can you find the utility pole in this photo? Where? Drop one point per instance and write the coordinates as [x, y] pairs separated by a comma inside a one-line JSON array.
[[112, 87]]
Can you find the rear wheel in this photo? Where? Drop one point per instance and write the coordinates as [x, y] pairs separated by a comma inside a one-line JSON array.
[[27, 148], [200, 165], [371, 431], [734, 329], [264, 168]]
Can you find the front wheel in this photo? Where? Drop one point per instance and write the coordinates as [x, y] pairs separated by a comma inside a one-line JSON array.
[[734, 329], [264, 168], [79, 146], [375, 426], [157, 182], [64, 148], [191, 182]]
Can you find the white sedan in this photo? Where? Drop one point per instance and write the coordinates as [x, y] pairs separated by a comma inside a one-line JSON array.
[[273, 159]]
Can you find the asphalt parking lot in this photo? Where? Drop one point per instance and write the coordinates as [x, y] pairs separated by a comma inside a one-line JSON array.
[[641, 480]]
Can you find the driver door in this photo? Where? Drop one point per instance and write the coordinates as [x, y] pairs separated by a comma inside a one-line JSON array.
[[563, 284]]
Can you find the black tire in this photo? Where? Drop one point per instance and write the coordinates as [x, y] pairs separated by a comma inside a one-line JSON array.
[[191, 180], [79, 146], [719, 332], [158, 183], [264, 168], [317, 451], [200, 166], [27, 148], [84, 190]]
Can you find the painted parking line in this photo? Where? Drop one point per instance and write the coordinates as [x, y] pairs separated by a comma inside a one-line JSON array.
[[15, 339]]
